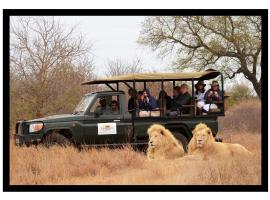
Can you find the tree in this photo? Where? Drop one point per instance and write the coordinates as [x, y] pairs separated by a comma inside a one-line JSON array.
[[47, 65], [231, 44], [118, 67]]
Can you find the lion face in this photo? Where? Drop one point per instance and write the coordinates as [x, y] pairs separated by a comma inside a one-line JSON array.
[[155, 139], [202, 137]]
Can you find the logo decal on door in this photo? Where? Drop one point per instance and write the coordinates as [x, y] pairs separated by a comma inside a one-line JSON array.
[[107, 128]]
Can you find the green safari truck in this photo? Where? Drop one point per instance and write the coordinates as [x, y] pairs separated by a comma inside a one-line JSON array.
[[89, 125]]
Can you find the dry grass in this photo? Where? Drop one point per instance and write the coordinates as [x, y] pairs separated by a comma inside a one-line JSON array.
[[125, 166], [243, 117]]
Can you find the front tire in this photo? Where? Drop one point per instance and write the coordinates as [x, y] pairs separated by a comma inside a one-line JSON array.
[[55, 138]]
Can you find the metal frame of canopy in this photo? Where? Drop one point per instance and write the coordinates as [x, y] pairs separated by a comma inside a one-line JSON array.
[[159, 77]]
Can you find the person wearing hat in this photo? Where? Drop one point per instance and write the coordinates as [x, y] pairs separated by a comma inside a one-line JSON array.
[[199, 94], [213, 94]]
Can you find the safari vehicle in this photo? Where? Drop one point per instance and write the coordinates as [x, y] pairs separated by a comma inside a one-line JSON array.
[[86, 126]]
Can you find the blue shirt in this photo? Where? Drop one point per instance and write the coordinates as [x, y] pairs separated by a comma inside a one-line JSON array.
[[152, 104]]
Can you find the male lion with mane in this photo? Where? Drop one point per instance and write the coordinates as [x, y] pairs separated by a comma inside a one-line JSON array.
[[203, 144], [162, 144]]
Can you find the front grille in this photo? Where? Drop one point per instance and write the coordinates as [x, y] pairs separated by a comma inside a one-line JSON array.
[[25, 129], [22, 128]]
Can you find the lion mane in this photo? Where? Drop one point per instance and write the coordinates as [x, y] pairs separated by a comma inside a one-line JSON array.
[[162, 144], [203, 144]]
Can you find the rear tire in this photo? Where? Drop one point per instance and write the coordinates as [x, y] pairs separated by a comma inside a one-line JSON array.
[[55, 138], [181, 139]]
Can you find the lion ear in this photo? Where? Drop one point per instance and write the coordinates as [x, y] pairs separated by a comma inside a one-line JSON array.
[[162, 132], [209, 132]]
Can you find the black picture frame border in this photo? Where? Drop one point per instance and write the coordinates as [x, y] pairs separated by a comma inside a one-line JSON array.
[[134, 12]]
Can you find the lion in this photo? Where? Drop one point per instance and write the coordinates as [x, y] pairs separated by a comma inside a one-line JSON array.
[[162, 144], [203, 144]]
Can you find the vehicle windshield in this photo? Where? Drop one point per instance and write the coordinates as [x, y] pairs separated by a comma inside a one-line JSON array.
[[83, 105]]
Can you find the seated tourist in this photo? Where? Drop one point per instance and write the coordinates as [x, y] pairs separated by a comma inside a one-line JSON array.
[[132, 100], [167, 100], [139, 98], [199, 94], [114, 110], [212, 95], [148, 104], [176, 91], [181, 97], [102, 108]]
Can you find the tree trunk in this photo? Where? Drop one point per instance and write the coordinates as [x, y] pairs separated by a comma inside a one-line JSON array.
[[251, 77], [257, 86]]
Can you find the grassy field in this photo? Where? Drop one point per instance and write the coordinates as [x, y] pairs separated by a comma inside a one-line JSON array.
[[126, 166]]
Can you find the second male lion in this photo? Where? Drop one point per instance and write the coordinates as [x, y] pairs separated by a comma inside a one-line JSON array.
[[203, 144]]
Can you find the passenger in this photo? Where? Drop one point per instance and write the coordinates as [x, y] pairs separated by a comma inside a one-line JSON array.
[[213, 94], [132, 100], [182, 97], [176, 91], [199, 94], [114, 110], [148, 102], [139, 98], [102, 107], [173, 111], [167, 100]]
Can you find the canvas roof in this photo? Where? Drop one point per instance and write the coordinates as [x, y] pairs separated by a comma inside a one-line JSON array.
[[184, 76]]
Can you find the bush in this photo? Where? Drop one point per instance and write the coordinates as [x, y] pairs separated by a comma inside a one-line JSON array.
[[237, 93]]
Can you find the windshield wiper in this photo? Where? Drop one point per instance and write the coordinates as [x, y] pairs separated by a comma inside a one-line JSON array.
[[76, 112]]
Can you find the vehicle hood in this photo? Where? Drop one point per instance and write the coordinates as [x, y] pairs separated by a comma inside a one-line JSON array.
[[59, 118]]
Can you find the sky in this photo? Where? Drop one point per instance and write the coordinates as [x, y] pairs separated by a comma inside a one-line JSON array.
[[114, 37]]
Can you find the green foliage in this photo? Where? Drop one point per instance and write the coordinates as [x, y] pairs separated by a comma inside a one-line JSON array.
[[238, 93]]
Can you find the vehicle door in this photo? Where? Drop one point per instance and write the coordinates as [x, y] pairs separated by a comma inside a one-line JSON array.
[[104, 124]]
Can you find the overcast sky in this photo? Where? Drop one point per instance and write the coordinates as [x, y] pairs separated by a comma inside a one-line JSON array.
[[115, 37]]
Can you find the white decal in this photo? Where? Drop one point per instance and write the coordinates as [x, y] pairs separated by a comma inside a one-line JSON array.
[[106, 128]]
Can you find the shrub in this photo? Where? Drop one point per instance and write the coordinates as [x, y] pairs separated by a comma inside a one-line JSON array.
[[237, 93]]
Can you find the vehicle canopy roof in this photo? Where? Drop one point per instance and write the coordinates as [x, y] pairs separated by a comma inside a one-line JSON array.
[[184, 76]]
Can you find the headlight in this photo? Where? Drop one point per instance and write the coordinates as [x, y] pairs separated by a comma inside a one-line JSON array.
[[35, 127]]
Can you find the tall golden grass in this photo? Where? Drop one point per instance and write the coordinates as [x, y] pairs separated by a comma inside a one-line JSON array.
[[39, 165]]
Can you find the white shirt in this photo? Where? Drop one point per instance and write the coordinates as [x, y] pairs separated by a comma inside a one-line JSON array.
[[200, 96]]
